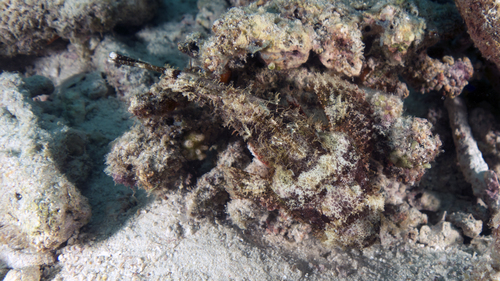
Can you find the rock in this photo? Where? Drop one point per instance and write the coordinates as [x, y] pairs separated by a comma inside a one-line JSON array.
[[440, 235], [31, 273], [40, 208], [28, 26]]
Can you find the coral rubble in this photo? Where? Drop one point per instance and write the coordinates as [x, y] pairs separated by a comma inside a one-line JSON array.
[[281, 74], [449, 76], [483, 180], [296, 125]]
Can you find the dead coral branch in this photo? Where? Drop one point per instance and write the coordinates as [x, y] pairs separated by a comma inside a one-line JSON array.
[[484, 181]]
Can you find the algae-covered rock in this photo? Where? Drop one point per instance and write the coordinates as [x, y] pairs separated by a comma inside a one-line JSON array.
[[40, 207], [482, 22], [27, 26], [290, 78]]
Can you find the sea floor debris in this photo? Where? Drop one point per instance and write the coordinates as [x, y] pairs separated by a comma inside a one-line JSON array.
[[228, 145]]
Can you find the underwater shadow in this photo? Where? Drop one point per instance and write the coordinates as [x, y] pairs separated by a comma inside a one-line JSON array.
[[112, 208]]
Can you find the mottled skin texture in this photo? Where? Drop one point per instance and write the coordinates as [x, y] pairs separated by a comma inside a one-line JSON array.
[[321, 174]]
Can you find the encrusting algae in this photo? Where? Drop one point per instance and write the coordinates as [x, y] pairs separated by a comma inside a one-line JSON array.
[[312, 87]]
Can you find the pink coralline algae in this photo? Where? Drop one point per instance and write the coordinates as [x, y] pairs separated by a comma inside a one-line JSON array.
[[448, 76]]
